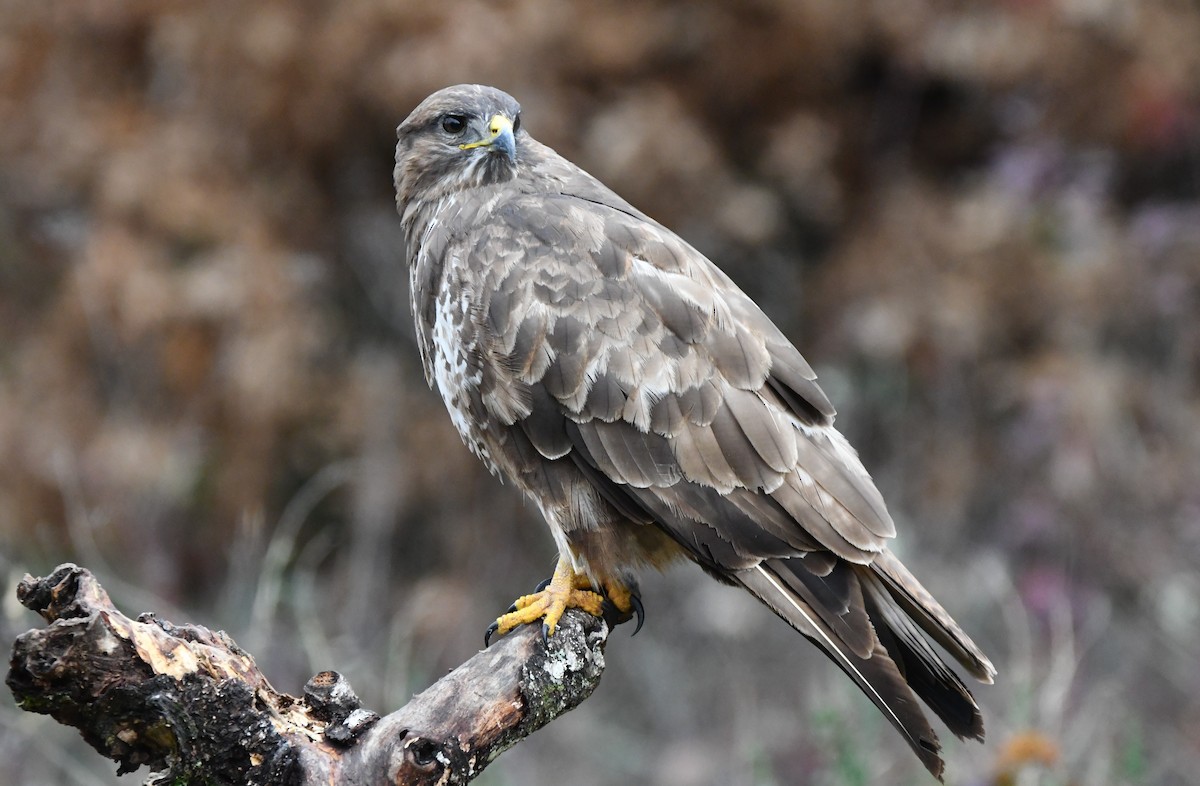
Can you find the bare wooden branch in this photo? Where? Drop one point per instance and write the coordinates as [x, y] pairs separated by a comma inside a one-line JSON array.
[[192, 706]]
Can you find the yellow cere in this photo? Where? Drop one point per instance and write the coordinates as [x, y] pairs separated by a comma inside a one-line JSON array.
[[498, 125]]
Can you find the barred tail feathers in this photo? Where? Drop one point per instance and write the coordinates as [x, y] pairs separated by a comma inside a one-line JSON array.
[[852, 615]]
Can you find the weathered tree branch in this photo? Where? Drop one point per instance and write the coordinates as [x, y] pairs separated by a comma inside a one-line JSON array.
[[193, 706]]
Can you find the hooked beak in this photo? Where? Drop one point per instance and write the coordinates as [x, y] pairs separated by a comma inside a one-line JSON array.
[[499, 137]]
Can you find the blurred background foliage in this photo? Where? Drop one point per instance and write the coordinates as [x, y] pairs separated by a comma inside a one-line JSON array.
[[979, 220]]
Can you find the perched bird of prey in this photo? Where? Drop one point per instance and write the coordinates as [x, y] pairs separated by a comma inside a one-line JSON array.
[[651, 410]]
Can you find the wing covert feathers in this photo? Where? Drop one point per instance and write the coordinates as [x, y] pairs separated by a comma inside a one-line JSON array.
[[684, 406]]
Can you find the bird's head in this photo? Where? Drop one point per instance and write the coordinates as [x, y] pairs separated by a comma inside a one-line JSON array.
[[460, 137]]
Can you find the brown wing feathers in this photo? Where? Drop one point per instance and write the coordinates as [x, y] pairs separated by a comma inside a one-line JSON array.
[[921, 667], [876, 673], [929, 615], [738, 465], [747, 490]]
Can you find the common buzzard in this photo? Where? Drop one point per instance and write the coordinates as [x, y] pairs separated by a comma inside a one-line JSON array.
[[651, 410]]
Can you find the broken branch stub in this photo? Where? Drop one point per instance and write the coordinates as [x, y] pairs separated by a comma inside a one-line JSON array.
[[191, 705]]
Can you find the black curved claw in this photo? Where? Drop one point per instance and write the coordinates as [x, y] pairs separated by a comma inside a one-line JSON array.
[[491, 631], [545, 633], [545, 583], [639, 611], [615, 616]]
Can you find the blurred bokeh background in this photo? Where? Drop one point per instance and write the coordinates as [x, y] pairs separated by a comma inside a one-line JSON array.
[[980, 221]]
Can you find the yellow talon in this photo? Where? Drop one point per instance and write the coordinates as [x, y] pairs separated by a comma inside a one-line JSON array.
[[620, 596], [567, 590]]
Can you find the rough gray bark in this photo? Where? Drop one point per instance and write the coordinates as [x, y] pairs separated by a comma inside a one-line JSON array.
[[192, 706]]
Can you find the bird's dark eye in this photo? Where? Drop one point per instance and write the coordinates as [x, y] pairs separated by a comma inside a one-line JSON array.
[[516, 124], [454, 124]]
